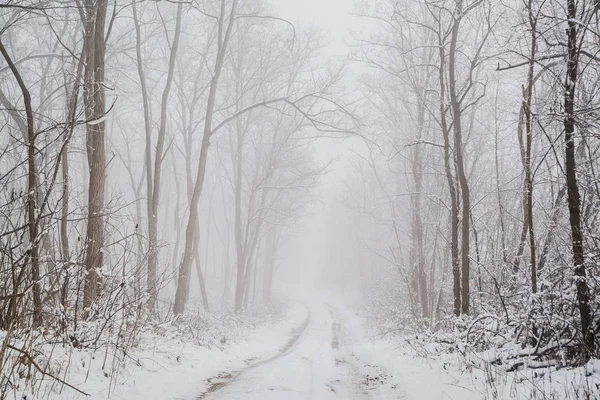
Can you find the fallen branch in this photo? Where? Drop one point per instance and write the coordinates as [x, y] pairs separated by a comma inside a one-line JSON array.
[[42, 371]]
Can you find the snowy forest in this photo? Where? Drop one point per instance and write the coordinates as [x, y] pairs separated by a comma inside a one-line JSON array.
[[277, 199]]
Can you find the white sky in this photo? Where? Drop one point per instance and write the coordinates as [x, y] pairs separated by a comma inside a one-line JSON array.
[[311, 252], [332, 17]]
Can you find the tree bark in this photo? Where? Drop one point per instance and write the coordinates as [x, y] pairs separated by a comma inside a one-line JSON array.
[[224, 35], [240, 243], [459, 160], [64, 237], [528, 95], [95, 109], [573, 196], [454, 220], [551, 227], [417, 225], [153, 177], [32, 193]]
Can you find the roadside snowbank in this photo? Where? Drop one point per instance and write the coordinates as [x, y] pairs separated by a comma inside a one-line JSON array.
[[410, 368], [167, 362]]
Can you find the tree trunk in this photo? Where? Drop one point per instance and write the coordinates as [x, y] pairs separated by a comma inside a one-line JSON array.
[[183, 282], [574, 200], [417, 223], [94, 99], [270, 255], [32, 194], [176, 220], [240, 244], [153, 185], [454, 221], [460, 163], [551, 227], [528, 94], [64, 237], [201, 281]]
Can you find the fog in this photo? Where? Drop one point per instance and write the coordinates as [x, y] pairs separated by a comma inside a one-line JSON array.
[[317, 199]]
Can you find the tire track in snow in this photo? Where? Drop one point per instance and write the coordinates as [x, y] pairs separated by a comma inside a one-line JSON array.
[[370, 381], [225, 378], [355, 387]]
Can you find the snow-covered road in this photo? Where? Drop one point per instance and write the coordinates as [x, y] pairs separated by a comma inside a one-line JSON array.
[[318, 349], [334, 355], [316, 364]]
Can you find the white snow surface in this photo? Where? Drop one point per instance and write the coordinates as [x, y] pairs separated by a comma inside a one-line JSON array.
[[321, 350], [163, 365]]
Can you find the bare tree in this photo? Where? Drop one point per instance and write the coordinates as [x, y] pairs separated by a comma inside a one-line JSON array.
[[153, 175], [94, 19], [32, 192], [225, 24], [574, 201]]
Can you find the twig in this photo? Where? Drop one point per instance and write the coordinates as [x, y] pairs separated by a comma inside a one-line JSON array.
[[31, 359]]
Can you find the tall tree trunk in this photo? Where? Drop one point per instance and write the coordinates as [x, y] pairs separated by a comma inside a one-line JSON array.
[[551, 227], [270, 255], [64, 237], [454, 220], [95, 108], [154, 177], [176, 220], [417, 223], [499, 185], [460, 163], [32, 194], [251, 245], [240, 243], [183, 279], [224, 34], [201, 280], [528, 95], [158, 158], [251, 267], [525, 226], [574, 200]]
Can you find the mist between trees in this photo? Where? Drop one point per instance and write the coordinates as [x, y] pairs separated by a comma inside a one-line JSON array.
[[158, 153]]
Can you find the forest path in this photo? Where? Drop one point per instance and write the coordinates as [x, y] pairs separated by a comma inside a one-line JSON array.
[[317, 364]]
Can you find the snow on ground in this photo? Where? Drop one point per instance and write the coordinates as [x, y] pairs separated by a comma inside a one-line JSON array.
[[166, 364], [321, 349], [312, 367], [391, 370], [399, 368]]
